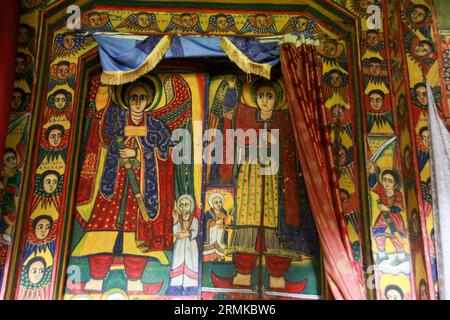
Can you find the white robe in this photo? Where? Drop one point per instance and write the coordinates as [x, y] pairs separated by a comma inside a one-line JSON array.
[[184, 270]]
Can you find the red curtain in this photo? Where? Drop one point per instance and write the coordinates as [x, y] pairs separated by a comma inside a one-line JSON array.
[[302, 77], [9, 23]]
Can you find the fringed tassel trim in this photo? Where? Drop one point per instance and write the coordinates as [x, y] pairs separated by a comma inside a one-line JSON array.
[[122, 77], [243, 62]]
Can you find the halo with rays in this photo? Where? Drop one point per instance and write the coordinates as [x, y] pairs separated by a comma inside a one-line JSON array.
[[249, 95], [153, 81]]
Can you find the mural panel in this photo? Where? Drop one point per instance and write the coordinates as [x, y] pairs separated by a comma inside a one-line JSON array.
[[138, 211], [10, 184], [259, 235]]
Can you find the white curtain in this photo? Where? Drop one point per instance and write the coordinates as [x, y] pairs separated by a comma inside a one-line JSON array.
[[440, 176]]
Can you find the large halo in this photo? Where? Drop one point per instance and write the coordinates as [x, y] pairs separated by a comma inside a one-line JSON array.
[[249, 95], [153, 81]]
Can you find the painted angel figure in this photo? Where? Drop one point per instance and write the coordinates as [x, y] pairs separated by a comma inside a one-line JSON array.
[[133, 203], [95, 21], [185, 22], [62, 73], [335, 82], [417, 17], [24, 68], [332, 52], [69, 44], [26, 37], [373, 41], [259, 23], [140, 22], [215, 228], [20, 100], [375, 71], [422, 52], [301, 25], [221, 23]]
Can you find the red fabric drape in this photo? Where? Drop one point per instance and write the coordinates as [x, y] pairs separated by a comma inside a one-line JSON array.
[[9, 23], [301, 71]]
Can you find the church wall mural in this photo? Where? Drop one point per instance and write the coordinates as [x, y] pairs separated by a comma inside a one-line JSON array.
[[423, 64], [22, 102], [391, 253], [64, 234]]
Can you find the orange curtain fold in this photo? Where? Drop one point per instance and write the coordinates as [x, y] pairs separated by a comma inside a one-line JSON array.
[[302, 77]]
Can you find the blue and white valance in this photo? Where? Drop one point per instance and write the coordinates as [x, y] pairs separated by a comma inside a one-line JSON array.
[[125, 58]]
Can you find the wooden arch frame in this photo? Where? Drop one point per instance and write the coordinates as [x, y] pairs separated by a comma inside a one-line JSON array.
[[53, 21]]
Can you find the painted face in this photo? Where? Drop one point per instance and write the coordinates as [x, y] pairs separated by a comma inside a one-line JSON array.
[[23, 35], [342, 156], [95, 21], [54, 137], [10, 160], [372, 39], [36, 272], [222, 23], [302, 24], [42, 229], [421, 95], [344, 198], [50, 183], [336, 79], [218, 203], [415, 222], [338, 113], [20, 64], [62, 72], [393, 295], [418, 15], [138, 99], [376, 101], [265, 98], [330, 49], [143, 20], [375, 69], [60, 101], [16, 100], [407, 157], [261, 22], [69, 41], [388, 182], [423, 292], [423, 49], [187, 21], [185, 208], [425, 137]]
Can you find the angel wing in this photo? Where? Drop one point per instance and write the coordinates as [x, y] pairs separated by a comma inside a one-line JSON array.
[[140, 22], [178, 110]]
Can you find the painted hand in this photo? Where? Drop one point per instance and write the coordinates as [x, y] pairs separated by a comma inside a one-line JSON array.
[[127, 153]]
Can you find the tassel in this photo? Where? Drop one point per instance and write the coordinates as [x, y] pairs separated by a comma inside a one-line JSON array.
[[243, 62], [122, 77]]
